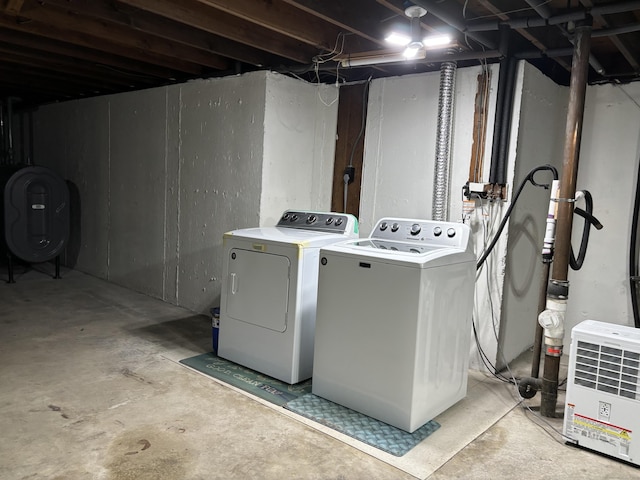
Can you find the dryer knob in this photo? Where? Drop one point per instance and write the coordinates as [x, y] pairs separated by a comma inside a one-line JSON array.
[[338, 222], [395, 227], [451, 232], [415, 229], [293, 218], [437, 231], [329, 221], [285, 216], [383, 226], [311, 219]]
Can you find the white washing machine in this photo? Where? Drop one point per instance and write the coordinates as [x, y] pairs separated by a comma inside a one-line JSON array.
[[393, 324], [269, 291]]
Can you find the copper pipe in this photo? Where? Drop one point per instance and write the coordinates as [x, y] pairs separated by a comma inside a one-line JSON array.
[[567, 191], [571, 155], [537, 341]]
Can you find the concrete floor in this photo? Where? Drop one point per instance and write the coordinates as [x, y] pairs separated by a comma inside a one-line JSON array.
[[91, 388]]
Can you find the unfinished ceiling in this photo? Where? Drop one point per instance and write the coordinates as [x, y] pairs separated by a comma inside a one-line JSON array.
[[56, 50]]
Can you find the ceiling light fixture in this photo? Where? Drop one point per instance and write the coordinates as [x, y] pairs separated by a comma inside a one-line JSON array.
[[415, 42], [415, 45]]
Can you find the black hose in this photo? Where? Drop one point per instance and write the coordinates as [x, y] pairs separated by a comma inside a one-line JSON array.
[[633, 256], [528, 178], [589, 221]]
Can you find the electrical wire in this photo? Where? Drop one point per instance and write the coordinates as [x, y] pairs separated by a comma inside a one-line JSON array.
[[328, 57], [365, 92], [633, 256], [526, 9], [491, 368], [346, 179]]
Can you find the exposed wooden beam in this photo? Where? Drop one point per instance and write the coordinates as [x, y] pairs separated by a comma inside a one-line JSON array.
[[14, 85], [282, 18], [523, 32], [104, 60], [67, 66], [398, 7], [617, 41], [365, 24], [101, 60], [13, 6], [164, 28], [105, 31], [29, 71], [54, 32], [200, 16]]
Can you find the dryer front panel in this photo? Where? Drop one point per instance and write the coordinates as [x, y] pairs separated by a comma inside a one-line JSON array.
[[258, 288]]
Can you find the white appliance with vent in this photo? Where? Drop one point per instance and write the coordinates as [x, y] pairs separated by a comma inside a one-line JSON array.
[[602, 410], [269, 291], [393, 326]]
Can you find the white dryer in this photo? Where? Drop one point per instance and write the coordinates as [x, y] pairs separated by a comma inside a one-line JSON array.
[[393, 324], [269, 291]]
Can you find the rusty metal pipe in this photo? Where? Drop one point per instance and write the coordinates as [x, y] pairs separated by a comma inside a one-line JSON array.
[[539, 334], [558, 286]]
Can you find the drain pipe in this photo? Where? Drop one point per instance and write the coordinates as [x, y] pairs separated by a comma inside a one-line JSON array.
[[440, 205], [552, 318]]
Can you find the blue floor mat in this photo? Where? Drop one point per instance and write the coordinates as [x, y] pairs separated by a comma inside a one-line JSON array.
[[260, 385], [361, 427]]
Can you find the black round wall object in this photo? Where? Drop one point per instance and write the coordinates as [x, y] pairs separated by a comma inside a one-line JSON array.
[[36, 214]]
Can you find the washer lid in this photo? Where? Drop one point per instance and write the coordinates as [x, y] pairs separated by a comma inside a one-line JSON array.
[[298, 236], [419, 255]]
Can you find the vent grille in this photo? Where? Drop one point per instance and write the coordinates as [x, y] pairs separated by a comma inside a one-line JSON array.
[[607, 369]]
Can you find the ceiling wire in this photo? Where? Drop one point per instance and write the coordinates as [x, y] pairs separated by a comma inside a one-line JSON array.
[[492, 15], [328, 57]]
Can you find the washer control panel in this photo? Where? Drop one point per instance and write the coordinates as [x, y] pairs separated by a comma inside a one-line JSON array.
[[319, 221], [422, 231]]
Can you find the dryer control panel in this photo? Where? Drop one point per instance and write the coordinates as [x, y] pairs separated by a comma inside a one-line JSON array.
[[422, 231], [319, 221]]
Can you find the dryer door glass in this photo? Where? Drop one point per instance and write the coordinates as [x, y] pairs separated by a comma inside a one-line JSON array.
[[258, 288]]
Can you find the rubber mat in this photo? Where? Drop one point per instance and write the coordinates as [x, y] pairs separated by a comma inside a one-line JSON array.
[[361, 427], [262, 386]]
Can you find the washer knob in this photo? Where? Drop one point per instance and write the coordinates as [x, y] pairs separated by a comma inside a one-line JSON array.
[[383, 226], [293, 218], [311, 219], [415, 229], [437, 231], [451, 232], [338, 222], [285, 216], [329, 221], [395, 227]]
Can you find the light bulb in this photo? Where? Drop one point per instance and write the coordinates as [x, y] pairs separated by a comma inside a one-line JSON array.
[[412, 50], [436, 40], [395, 38]]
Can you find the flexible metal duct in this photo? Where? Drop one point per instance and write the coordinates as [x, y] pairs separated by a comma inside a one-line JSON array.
[[440, 206]]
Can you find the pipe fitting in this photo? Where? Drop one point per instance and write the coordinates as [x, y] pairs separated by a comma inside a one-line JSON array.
[[528, 386], [552, 320]]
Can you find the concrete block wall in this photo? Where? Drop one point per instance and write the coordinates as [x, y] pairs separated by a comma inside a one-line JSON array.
[[538, 125], [608, 168], [161, 174]]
